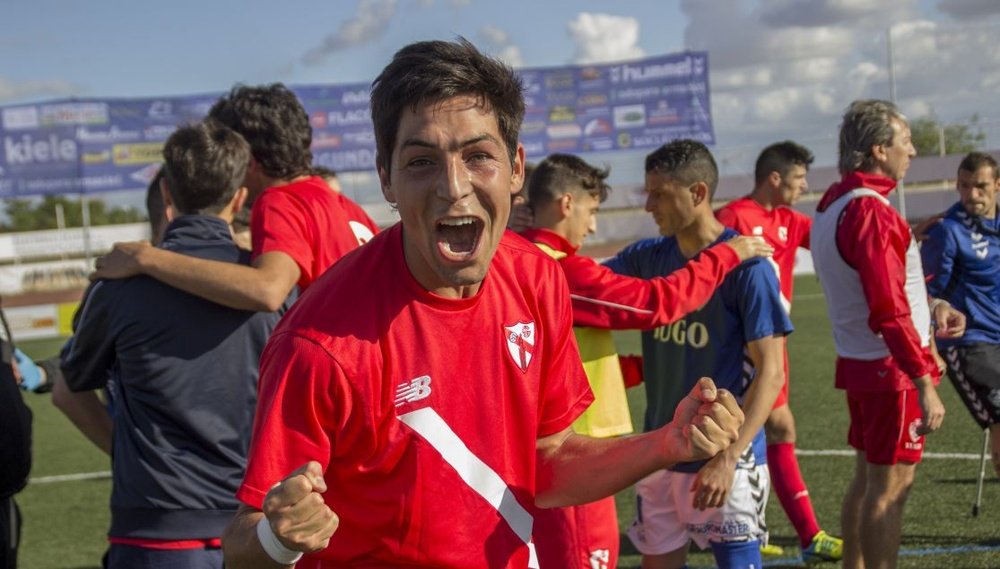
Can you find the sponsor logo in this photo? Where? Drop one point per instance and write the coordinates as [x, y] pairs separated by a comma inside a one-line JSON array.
[[365, 137], [101, 157], [627, 73], [682, 333], [567, 130], [598, 145], [360, 159], [624, 140], [783, 233], [348, 117], [160, 110], [141, 153], [20, 118], [590, 73], [520, 343], [27, 150], [562, 113], [533, 148], [532, 127], [327, 141], [630, 116], [976, 236], [413, 390], [597, 127], [356, 97], [113, 134], [559, 80], [563, 145], [73, 114], [594, 100], [318, 119], [158, 132]]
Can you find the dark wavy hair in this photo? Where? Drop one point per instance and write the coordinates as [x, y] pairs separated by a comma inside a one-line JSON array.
[[273, 122], [433, 71], [204, 165]]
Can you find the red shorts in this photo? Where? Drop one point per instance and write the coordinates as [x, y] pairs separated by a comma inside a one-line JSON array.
[[783, 394], [578, 536], [884, 425]]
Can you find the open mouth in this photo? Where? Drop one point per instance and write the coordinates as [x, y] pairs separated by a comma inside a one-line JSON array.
[[458, 237]]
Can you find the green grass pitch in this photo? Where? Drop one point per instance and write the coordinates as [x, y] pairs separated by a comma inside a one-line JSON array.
[[66, 521]]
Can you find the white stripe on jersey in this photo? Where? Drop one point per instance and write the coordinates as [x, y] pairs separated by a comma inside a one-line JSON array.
[[476, 473]]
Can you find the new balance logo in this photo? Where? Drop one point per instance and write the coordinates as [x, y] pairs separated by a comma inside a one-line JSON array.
[[413, 390]]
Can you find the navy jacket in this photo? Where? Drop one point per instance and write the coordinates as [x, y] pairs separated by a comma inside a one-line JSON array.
[[184, 380], [961, 259]]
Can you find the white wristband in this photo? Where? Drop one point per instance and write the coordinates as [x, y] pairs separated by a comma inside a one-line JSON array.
[[274, 548]]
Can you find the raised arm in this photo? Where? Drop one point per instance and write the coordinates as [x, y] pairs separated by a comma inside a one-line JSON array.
[[574, 469], [264, 286], [605, 299]]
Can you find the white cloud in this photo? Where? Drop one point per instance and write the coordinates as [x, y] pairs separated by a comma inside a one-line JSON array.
[[602, 38], [369, 24], [19, 90], [497, 41]]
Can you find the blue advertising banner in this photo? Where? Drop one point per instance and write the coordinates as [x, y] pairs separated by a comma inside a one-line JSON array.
[[87, 146]]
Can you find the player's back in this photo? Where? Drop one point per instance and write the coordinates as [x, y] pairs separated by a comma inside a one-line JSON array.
[[184, 390]]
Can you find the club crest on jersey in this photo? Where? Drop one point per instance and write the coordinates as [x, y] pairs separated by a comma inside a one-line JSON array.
[[520, 339]]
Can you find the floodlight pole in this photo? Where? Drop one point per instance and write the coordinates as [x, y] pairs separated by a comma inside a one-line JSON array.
[[892, 97]]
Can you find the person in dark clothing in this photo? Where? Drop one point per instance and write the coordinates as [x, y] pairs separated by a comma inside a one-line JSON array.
[[15, 450], [185, 371]]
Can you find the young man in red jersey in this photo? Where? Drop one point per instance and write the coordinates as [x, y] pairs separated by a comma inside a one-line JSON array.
[[565, 193], [779, 181], [299, 228], [416, 402], [870, 269]]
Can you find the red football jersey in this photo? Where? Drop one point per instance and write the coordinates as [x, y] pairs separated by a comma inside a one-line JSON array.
[[782, 227], [423, 411], [309, 222]]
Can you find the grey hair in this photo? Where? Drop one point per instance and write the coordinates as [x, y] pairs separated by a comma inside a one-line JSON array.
[[866, 123]]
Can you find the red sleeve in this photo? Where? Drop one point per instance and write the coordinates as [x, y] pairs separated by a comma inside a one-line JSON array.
[[880, 259], [291, 425], [278, 224], [565, 392], [631, 369], [806, 224], [605, 299]]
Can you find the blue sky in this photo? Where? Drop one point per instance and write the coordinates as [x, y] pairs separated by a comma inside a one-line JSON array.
[[780, 68]]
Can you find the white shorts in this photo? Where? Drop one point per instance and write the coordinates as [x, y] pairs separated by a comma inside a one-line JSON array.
[[666, 520]]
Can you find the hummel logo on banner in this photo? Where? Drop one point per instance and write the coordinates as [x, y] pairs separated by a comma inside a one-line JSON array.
[[413, 390]]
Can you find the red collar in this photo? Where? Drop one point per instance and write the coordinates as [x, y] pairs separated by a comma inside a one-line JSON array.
[[853, 180], [549, 238]]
